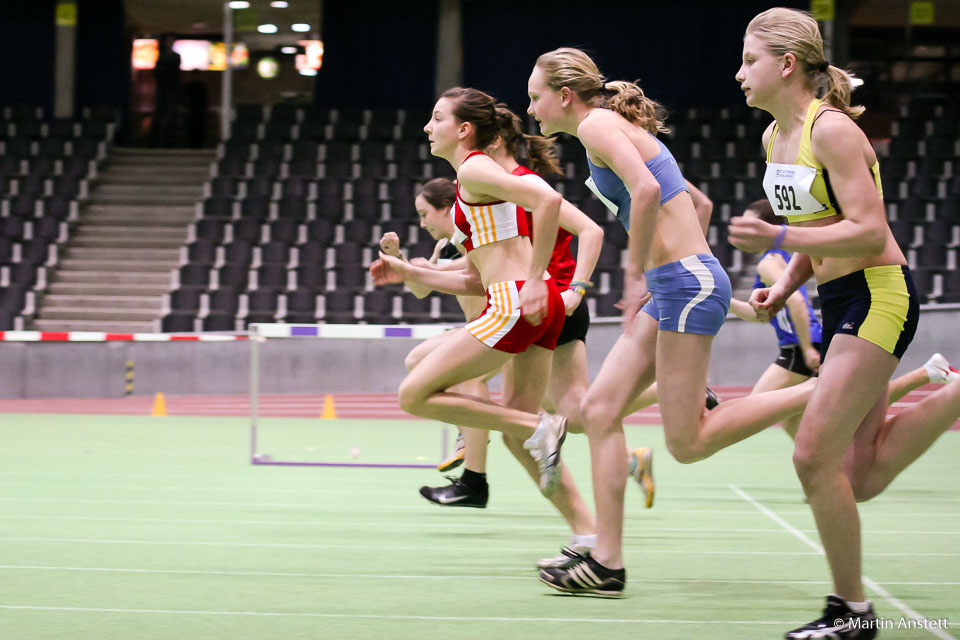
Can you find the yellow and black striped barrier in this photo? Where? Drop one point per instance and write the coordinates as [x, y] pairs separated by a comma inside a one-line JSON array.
[[128, 379]]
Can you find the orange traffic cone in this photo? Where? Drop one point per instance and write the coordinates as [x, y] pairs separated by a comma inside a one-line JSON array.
[[159, 405], [329, 410]]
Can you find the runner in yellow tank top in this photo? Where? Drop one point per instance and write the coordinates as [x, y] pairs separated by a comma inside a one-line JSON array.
[[822, 174], [803, 192]]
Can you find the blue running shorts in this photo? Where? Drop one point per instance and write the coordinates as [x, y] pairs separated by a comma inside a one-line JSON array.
[[691, 295]]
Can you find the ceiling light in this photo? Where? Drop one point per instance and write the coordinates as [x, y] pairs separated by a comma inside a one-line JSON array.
[[279, 4], [301, 27], [288, 49], [238, 4], [268, 68], [267, 28], [308, 72]]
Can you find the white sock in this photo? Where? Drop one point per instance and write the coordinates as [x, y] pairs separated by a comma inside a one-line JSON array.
[[587, 541], [858, 607]]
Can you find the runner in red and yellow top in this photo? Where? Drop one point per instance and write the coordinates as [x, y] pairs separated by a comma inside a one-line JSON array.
[[524, 313]]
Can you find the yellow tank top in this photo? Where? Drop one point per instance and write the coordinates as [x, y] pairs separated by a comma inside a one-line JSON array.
[[802, 191]]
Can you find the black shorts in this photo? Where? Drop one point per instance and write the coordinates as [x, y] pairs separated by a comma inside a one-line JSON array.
[[878, 304], [791, 359], [576, 325]]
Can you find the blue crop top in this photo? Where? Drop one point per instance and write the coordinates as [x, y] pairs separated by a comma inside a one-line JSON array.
[[610, 188]]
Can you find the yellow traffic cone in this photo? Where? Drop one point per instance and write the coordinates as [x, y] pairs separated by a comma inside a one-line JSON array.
[[329, 410], [159, 405]]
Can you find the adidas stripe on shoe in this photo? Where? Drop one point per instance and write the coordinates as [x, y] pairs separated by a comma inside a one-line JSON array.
[[568, 555], [586, 577]]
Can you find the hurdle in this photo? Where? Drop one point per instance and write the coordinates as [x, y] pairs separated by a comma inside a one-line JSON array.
[[258, 333]]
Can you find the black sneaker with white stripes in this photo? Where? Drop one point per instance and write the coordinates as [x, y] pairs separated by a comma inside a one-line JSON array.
[[837, 623], [586, 577], [456, 494]]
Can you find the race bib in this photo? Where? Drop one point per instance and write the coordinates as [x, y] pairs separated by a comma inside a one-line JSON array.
[[608, 203], [788, 189]]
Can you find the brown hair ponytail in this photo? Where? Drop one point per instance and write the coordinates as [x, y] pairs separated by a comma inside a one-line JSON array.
[[539, 152], [477, 108]]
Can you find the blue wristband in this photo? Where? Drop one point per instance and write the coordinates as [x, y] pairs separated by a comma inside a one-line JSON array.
[[779, 241]]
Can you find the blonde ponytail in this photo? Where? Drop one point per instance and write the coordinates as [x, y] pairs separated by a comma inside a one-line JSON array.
[[628, 99], [574, 69], [837, 91]]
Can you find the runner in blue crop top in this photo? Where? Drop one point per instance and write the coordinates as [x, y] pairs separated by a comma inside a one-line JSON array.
[[669, 341], [607, 186]]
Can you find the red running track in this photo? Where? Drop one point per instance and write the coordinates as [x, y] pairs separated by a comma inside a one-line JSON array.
[[374, 405]]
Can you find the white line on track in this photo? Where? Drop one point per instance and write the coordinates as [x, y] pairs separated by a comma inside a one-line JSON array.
[[313, 506], [323, 523], [285, 545], [246, 475], [389, 617], [389, 576], [670, 493], [876, 588]]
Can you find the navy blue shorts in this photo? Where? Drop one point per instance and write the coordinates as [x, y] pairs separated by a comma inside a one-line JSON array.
[[878, 304]]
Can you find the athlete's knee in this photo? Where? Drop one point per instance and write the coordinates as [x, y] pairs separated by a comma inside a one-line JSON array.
[[809, 464], [684, 450], [597, 415], [410, 396]]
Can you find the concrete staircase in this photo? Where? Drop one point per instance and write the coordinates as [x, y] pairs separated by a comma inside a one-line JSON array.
[[116, 267]]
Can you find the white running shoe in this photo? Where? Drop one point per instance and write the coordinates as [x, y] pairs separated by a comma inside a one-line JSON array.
[[455, 459], [940, 370], [544, 445]]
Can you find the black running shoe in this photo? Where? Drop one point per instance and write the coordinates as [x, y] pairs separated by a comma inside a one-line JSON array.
[[455, 494], [838, 622], [570, 554], [712, 399], [586, 577]]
